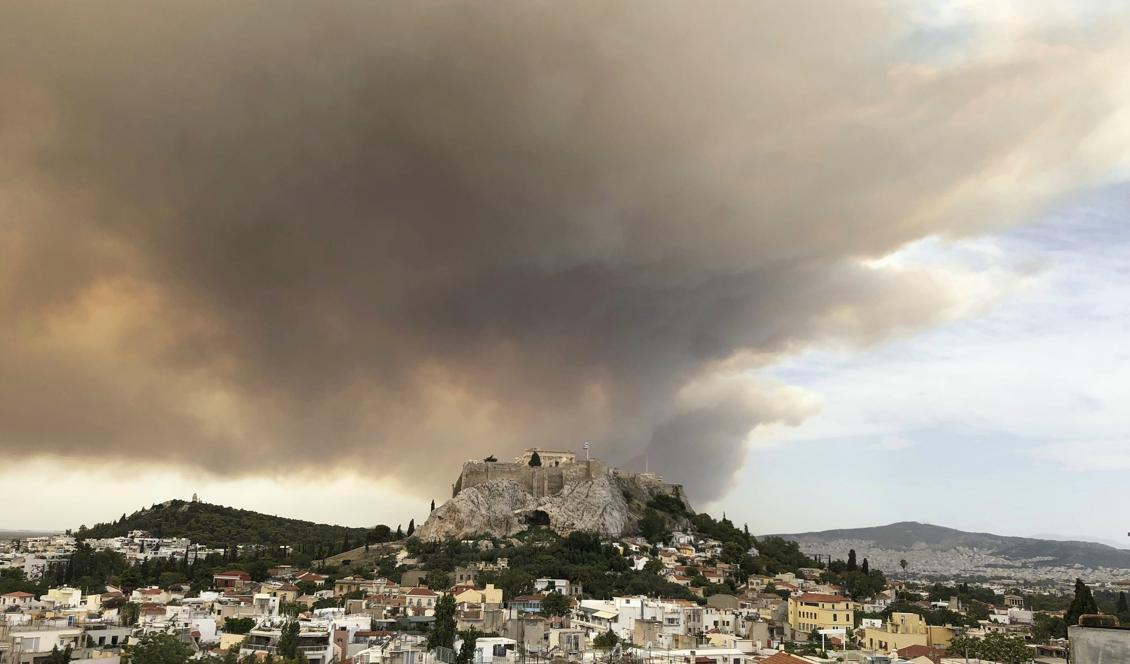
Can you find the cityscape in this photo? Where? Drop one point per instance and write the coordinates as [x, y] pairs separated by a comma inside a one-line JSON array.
[[548, 556], [564, 332]]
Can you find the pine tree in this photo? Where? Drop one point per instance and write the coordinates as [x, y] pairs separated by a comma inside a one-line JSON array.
[[411, 527], [535, 460], [865, 568], [433, 505], [851, 564], [399, 532]]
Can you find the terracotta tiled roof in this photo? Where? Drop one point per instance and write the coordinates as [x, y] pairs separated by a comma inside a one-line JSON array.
[[528, 598], [18, 593], [784, 658], [421, 591], [917, 650], [816, 597]]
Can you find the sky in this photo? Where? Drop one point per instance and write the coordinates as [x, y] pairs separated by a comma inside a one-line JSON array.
[[1008, 421], [308, 261]]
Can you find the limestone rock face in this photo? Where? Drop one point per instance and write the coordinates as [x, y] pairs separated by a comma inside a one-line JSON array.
[[495, 508], [597, 506], [503, 507]]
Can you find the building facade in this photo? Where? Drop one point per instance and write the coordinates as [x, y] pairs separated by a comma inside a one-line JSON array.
[[815, 611]]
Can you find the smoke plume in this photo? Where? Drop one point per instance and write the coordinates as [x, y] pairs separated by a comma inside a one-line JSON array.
[[289, 237]]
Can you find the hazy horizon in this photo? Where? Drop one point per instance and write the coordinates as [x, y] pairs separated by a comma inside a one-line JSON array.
[[309, 259]]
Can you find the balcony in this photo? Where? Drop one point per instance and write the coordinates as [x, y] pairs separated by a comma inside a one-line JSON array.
[[261, 647]]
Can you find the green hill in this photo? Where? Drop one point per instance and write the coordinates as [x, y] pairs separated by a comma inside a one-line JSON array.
[[219, 526]]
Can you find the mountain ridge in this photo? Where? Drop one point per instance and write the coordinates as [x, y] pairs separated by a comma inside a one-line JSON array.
[[914, 536]]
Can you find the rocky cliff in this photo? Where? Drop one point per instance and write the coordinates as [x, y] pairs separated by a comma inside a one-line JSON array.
[[607, 504]]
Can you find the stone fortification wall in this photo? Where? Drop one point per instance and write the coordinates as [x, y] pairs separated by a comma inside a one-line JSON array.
[[652, 483], [540, 481]]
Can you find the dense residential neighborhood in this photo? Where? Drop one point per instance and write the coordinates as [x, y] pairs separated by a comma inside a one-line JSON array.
[[709, 593]]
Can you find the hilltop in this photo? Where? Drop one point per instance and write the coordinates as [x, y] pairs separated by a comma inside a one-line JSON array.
[[925, 546], [219, 526], [552, 489]]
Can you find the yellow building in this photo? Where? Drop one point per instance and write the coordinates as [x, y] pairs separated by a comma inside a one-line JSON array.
[[906, 629], [814, 611], [287, 593], [489, 595], [349, 584]]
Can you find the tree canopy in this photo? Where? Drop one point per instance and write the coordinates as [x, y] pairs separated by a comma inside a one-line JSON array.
[[555, 604], [157, 648], [239, 625], [606, 641], [219, 526], [994, 647]]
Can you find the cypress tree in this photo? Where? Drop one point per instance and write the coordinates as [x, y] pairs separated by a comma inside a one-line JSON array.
[[288, 640], [443, 629], [1083, 603]]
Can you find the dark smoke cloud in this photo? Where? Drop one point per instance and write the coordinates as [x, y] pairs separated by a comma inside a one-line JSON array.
[[271, 237]]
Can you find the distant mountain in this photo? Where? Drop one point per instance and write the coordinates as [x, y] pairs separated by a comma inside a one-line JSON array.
[[21, 534], [909, 539], [219, 526], [1080, 538]]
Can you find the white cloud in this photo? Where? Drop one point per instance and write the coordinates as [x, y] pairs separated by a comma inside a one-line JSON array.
[[1045, 364]]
